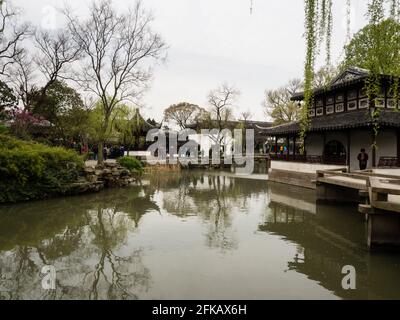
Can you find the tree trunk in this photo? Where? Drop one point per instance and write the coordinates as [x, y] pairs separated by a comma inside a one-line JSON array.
[[100, 153], [101, 144]]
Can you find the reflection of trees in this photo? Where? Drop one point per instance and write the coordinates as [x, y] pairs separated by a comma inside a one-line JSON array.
[[90, 239], [215, 205], [112, 273], [177, 200], [23, 269], [326, 243], [213, 198], [83, 238]]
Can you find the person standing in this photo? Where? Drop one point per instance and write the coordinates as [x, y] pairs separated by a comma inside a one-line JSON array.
[[96, 152], [105, 153], [363, 159]]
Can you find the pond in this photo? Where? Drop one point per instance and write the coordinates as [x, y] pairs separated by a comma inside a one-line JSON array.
[[193, 235]]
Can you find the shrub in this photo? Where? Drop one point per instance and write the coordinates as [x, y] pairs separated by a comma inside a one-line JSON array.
[[132, 164], [33, 171], [3, 129]]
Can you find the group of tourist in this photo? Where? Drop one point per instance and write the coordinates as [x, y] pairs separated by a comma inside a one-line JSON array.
[[109, 151]]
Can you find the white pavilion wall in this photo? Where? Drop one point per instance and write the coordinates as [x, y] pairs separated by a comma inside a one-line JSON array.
[[386, 141], [387, 144], [360, 139]]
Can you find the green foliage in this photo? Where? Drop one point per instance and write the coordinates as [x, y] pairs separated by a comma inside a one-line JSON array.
[[129, 125], [63, 107], [8, 100], [278, 105], [382, 55], [4, 129], [375, 47], [132, 164], [33, 171], [97, 129], [183, 114], [311, 34]]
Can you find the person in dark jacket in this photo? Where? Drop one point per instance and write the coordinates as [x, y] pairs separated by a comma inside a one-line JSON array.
[[363, 159]]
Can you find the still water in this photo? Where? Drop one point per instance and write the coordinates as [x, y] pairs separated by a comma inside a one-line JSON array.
[[191, 236]]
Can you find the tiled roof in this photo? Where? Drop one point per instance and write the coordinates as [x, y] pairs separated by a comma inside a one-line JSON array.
[[338, 121], [350, 76]]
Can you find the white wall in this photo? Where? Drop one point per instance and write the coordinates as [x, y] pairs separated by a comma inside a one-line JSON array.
[[360, 139], [387, 144], [301, 167]]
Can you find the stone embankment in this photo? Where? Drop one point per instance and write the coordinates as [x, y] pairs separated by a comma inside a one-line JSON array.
[[99, 177]]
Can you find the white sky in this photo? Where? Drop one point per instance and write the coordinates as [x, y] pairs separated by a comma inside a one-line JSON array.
[[216, 41]]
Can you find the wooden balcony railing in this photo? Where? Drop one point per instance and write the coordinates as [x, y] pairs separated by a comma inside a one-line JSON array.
[[389, 162]]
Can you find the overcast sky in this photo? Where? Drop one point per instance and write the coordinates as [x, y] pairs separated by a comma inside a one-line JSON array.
[[216, 41]]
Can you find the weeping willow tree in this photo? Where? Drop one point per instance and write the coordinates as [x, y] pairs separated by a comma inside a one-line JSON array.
[[318, 30]]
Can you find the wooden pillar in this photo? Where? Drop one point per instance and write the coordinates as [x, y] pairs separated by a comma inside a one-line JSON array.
[[348, 151], [294, 145], [373, 150], [398, 146], [276, 145], [323, 146], [288, 145]]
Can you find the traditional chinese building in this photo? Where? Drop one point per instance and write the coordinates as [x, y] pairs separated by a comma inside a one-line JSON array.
[[341, 124]]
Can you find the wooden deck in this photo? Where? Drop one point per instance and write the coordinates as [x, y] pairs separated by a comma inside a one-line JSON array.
[[382, 190]]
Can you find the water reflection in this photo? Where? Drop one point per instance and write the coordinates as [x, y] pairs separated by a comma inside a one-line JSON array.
[[82, 238], [328, 238], [190, 236]]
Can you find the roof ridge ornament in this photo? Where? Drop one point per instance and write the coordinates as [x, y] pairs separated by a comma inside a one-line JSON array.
[[351, 73]]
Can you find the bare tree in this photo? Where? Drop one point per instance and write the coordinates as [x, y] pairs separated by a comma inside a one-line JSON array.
[[117, 50], [184, 114], [324, 76], [246, 116], [56, 51], [22, 77], [11, 35], [221, 101], [278, 104]]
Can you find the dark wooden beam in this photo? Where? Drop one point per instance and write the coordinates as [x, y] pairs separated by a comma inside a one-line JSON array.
[[288, 144], [348, 148], [373, 150], [294, 145], [398, 145]]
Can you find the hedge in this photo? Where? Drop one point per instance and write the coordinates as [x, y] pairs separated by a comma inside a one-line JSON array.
[[31, 170], [132, 164]]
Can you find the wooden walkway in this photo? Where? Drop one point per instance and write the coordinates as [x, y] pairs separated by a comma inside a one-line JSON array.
[[381, 190]]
